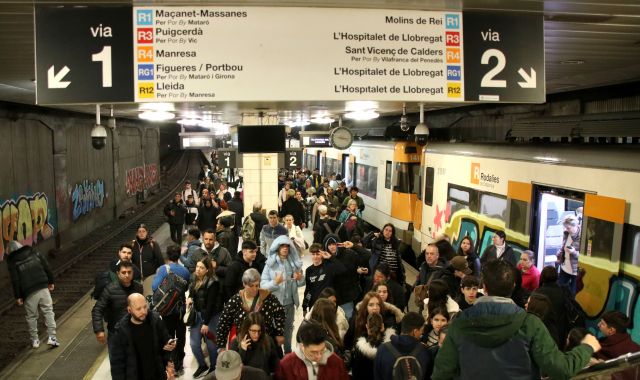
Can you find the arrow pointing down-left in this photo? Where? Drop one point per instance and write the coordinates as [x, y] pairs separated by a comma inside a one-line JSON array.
[[55, 80]]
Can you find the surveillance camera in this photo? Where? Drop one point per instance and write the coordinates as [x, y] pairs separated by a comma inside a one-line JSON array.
[[98, 137], [421, 133]]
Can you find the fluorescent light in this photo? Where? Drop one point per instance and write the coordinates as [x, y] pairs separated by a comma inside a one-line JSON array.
[[322, 120], [156, 115], [157, 107], [361, 105], [547, 159], [362, 115], [297, 123]]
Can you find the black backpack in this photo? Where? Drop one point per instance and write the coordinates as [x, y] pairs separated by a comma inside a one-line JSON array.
[[574, 315], [169, 293], [405, 367], [101, 281], [331, 235]]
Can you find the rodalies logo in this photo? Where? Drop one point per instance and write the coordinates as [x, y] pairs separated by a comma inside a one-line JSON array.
[[482, 179]]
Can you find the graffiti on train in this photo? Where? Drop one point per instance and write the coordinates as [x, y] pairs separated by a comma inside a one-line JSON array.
[[87, 196], [25, 219], [140, 178]]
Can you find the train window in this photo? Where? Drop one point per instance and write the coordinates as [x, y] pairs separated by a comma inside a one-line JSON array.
[[310, 161], [494, 206], [387, 177], [366, 179], [458, 199], [630, 252], [428, 185], [599, 238], [332, 166], [518, 215], [402, 180]]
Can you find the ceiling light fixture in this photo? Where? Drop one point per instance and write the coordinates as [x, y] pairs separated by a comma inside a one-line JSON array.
[[156, 115], [362, 115], [322, 120], [169, 107]]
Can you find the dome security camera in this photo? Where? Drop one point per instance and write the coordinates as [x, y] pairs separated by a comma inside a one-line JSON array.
[[98, 137], [421, 133]]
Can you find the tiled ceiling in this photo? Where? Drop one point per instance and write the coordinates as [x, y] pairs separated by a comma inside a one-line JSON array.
[[587, 44]]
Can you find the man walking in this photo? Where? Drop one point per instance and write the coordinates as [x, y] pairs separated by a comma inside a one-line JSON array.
[[32, 282]]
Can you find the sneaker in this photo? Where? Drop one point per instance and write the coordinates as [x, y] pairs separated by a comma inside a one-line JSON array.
[[201, 371], [35, 343], [53, 342]]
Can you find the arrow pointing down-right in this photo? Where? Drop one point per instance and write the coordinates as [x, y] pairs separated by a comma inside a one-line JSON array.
[[55, 80], [529, 80]]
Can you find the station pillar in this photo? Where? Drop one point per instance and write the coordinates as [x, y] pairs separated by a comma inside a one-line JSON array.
[[260, 181]]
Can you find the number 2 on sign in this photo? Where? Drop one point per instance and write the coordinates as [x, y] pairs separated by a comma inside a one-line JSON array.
[[487, 79], [293, 161], [105, 57]]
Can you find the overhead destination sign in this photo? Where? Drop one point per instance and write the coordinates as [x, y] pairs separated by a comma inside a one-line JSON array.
[[284, 54]]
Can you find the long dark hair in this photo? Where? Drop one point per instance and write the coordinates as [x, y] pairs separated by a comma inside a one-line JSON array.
[[324, 312], [472, 247], [438, 292], [254, 318], [375, 329]]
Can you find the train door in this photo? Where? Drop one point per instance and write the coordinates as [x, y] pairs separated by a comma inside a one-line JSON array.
[[346, 168], [551, 206]]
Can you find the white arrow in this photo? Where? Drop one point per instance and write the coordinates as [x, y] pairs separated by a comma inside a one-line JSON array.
[[529, 80], [55, 80]]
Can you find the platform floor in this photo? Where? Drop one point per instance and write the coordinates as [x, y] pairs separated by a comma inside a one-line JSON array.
[[80, 356]]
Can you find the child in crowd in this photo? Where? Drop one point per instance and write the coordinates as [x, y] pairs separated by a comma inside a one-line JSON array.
[[438, 319], [468, 292]]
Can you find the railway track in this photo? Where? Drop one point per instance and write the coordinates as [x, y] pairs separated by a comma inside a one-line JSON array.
[[75, 277]]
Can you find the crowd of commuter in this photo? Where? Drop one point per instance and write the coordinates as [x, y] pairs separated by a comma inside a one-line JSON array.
[[233, 283]]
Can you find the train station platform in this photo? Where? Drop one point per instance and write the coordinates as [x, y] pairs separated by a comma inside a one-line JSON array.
[[81, 357]]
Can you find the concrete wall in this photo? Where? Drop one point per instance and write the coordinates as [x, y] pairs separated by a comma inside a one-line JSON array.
[[55, 187]]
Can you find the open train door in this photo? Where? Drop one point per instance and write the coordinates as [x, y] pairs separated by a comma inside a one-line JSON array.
[[599, 261]]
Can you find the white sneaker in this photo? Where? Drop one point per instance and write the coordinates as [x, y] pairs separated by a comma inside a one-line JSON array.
[[35, 343], [53, 342]]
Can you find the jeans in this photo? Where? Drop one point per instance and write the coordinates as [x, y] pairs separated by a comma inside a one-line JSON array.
[[175, 232], [290, 314], [175, 327], [348, 309], [42, 299], [195, 341], [569, 280]]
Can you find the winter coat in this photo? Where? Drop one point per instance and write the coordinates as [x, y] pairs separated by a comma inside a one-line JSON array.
[[295, 366], [358, 200], [235, 310], [207, 299], [258, 357], [319, 277], [179, 209], [557, 295], [495, 330], [405, 344], [293, 207], [530, 278], [228, 239], [260, 221], [112, 305], [616, 345], [233, 278], [193, 254], [391, 319], [268, 234], [146, 256], [508, 255], [426, 272], [207, 216], [29, 271], [474, 264], [236, 206], [364, 355], [221, 256], [347, 286], [124, 363], [275, 265]]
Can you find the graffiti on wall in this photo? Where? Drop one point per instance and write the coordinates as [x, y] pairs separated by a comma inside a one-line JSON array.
[[141, 178], [25, 219], [87, 196]]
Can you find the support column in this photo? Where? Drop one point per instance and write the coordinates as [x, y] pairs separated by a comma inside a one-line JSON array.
[[260, 181]]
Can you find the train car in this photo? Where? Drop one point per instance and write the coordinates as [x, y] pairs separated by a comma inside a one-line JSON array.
[[385, 173], [526, 191]]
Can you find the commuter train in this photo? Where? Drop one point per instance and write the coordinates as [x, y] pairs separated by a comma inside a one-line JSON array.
[[524, 190]]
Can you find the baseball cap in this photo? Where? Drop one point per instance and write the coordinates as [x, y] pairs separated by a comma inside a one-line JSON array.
[[460, 263], [13, 246], [228, 365]]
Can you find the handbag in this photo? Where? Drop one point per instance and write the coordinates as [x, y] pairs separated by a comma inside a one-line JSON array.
[[189, 317]]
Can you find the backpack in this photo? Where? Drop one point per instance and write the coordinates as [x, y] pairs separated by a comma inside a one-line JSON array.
[[248, 229], [101, 281], [405, 367], [331, 235], [574, 315], [351, 224], [169, 293]]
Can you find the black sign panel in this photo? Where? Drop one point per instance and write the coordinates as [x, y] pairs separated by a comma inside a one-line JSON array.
[[503, 57], [227, 158], [317, 141], [293, 158], [84, 55]]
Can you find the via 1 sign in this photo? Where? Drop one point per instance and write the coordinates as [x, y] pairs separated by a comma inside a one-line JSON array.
[[503, 57], [83, 55], [227, 158]]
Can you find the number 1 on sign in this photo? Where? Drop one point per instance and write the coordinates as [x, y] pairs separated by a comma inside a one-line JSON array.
[[227, 160], [105, 57]]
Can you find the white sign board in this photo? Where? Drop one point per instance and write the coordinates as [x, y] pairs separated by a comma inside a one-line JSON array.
[[296, 54]]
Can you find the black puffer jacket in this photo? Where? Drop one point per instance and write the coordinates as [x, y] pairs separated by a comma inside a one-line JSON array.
[[124, 363], [29, 271], [112, 305], [179, 210], [207, 299], [146, 256]]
